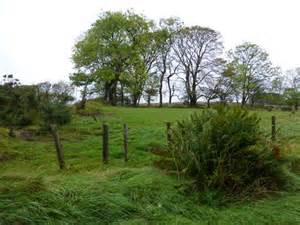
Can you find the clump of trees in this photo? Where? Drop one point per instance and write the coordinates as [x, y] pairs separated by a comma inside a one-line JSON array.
[[41, 104], [125, 56]]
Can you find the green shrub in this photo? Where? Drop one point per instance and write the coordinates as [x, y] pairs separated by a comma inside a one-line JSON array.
[[54, 113], [223, 150]]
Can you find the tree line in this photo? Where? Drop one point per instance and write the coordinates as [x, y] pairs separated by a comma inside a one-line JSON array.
[[125, 57]]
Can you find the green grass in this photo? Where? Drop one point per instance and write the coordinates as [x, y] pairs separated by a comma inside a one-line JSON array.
[[34, 191]]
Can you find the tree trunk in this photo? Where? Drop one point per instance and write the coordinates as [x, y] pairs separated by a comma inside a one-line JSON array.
[[11, 132], [160, 93], [208, 103], [83, 98], [193, 101], [135, 100], [243, 101], [122, 94], [112, 93], [170, 91], [148, 100], [106, 92]]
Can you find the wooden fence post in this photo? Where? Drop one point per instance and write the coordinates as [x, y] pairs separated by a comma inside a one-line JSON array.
[[168, 132], [105, 143], [273, 128], [125, 142], [58, 146]]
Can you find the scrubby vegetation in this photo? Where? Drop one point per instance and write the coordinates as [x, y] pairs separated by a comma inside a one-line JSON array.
[[225, 151], [34, 105], [34, 191]]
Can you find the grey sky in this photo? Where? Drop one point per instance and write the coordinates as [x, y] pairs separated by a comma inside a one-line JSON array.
[[36, 36]]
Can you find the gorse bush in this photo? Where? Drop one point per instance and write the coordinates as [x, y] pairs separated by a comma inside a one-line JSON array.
[[224, 150], [55, 113], [53, 103]]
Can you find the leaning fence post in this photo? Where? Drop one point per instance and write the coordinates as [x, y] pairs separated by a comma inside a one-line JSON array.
[[125, 142], [105, 143], [273, 128], [58, 146], [168, 132]]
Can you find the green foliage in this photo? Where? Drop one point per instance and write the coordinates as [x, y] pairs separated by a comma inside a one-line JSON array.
[[115, 49], [18, 104], [53, 103], [224, 150], [250, 69], [292, 97], [54, 113]]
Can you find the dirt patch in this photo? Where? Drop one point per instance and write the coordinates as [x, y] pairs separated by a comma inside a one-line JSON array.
[[28, 135], [160, 152], [6, 156], [164, 164]]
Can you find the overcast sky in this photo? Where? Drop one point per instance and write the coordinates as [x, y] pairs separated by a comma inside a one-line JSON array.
[[37, 36]]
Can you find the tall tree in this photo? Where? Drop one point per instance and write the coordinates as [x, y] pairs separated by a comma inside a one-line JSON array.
[[165, 60], [142, 67], [252, 70], [196, 50], [109, 46]]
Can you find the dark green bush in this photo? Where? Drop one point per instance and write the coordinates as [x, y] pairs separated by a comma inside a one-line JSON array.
[[54, 100], [223, 150], [55, 113]]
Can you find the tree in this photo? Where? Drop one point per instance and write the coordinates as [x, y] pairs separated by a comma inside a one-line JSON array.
[[252, 69], [277, 85], [113, 44], [292, 91], [216, 85], [196, 49], [83, 80], [151, 88], [142, 67], [170, 83], [136, 82], [165, 60]]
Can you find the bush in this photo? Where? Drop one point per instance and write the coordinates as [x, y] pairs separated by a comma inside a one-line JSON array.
[[223, 150], [52, 113], [53, 106], [18, 106]]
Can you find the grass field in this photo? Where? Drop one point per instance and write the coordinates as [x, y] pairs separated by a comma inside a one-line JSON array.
[[34, 191]]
